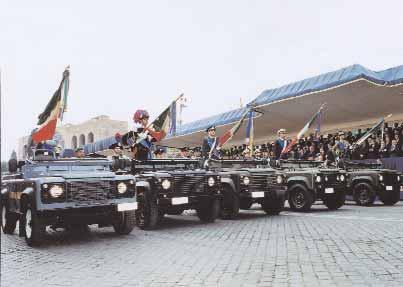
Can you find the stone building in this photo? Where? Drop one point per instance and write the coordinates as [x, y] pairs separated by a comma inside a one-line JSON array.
[[72, 136]]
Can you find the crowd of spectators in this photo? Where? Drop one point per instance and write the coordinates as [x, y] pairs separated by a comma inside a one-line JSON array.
[[332, 146], [323, 147]]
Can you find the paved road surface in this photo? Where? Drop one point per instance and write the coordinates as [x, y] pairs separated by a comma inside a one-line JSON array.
[[353, 246]]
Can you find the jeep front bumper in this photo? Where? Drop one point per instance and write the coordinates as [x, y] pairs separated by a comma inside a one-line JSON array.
[[271, 192]]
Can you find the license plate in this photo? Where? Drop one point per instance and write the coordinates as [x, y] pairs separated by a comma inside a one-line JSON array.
[[180, 200], [389, 187], [127, 206], [257, 194], [329, 190]]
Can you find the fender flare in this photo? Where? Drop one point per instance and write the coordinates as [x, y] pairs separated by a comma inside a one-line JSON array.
[[363, 178], [296, 179], [4, 193], [230, 182], [27, 196]]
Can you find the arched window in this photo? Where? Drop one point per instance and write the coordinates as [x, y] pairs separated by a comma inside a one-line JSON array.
[[82, 140], [90, 137], [74, 142]]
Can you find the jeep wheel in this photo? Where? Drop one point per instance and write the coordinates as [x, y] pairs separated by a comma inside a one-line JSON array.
[[334, 202], [229, 204], [147, 213], [245, 203], [8, 220], [390, 198], [208, 210], [364, 194], [273, 206], [126, 222], [34, 230], [300, 198]]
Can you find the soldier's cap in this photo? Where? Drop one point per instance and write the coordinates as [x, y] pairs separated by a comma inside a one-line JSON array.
[[210, 128], [341, 133], [116, 145], [79, 149], [281, 131]]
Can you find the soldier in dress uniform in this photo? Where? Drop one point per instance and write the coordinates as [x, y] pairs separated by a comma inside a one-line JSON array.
[[79, 152], [117, 149], [144, 141], [280, 144], [210, 148]]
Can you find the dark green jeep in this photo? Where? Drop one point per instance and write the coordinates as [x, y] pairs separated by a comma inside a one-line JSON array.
[[309, 181], [367, 181]]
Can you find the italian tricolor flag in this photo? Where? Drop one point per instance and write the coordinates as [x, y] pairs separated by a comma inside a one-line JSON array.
[[54, 110]]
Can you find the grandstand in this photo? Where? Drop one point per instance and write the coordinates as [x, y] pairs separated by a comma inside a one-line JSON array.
[[356, 97]]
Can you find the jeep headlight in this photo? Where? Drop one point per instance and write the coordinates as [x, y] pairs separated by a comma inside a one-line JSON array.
[[398, 178], [279, 179], [318, 178], [380, 177], [56, 191], [166, 184], [211, 181], [246, 180], [122, 187], [342, 177]]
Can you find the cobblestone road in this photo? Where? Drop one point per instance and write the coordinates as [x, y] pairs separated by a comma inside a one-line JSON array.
[[353, 246]]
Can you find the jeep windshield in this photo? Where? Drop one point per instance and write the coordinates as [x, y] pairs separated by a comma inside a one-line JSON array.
[[300, 164], [237, 163], [363, 165], [65, 167]]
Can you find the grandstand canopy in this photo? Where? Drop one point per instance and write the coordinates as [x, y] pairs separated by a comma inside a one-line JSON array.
[[355, 97]]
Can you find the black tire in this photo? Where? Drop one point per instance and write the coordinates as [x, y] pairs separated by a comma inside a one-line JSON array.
[[208, 210], [364, 194], [8, 220], [126, 222], [229, 204], [273, 206], [34, 229], [245, 203], [147, 214], [390, 198], [300, 198], [335, 201]]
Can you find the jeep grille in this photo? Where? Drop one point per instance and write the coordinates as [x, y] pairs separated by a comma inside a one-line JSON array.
[[259, 181], [189, 182], [390, 179], [89, 191]]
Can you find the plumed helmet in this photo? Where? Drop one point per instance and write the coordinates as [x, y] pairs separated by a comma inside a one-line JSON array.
[[139, 115]]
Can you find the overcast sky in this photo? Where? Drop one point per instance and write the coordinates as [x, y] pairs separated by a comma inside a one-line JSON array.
[[126, 55]]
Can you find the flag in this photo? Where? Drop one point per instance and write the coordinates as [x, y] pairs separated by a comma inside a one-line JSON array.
[[250, 132], [373, 130], [303, 130], [54, 110], [165, 123], [232, 131]]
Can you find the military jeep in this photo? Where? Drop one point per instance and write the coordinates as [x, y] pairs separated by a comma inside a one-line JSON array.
[[170, 186], [367, 181], [65, 193], [249, 181], [309, 181]]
